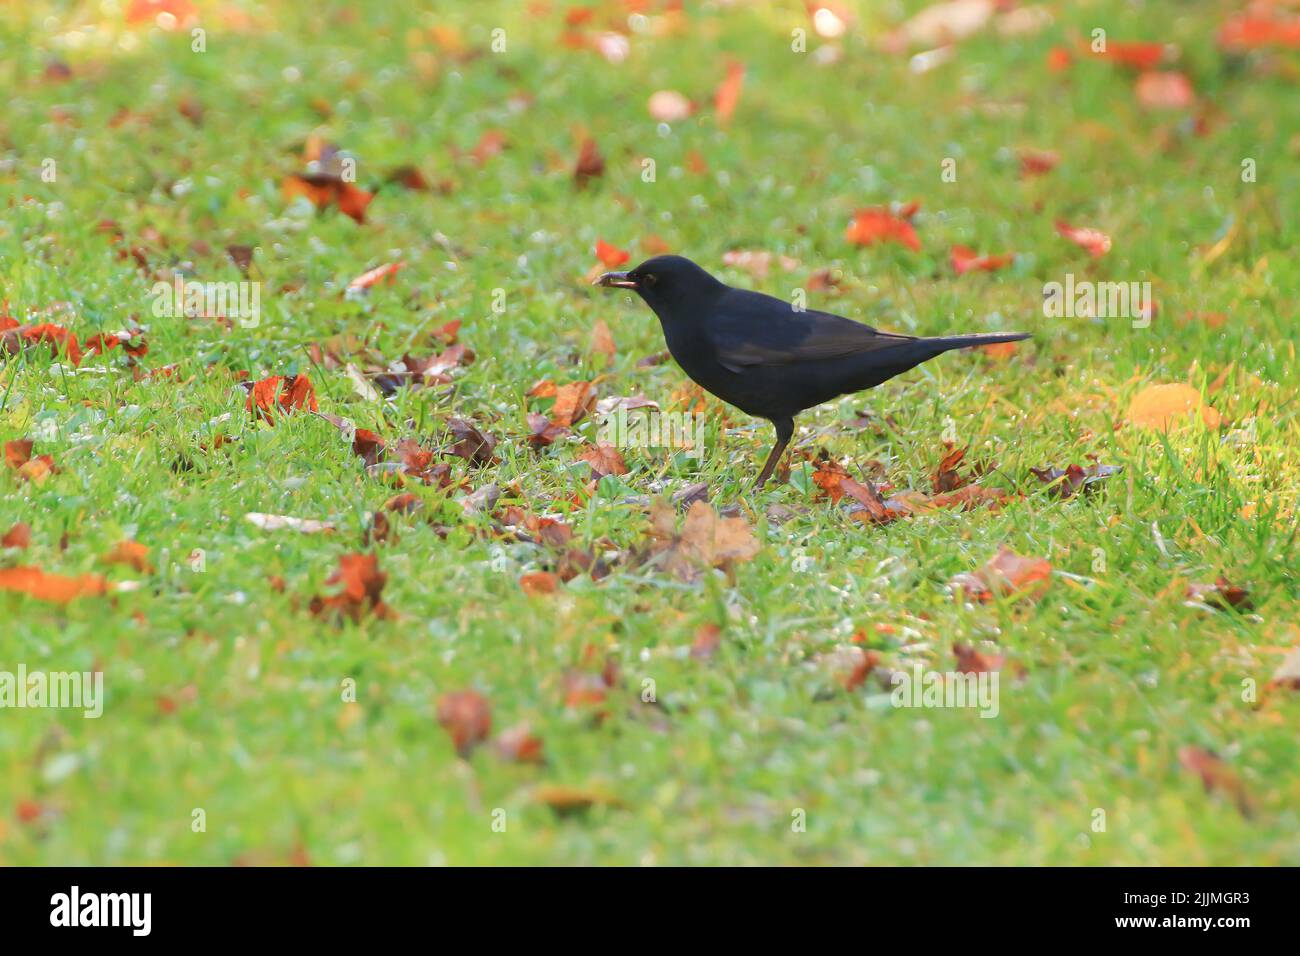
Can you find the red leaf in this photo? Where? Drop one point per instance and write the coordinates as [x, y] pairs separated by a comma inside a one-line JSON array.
[[966, 260], [877, 224], [1094, 240], [611, 257], [727, 95]]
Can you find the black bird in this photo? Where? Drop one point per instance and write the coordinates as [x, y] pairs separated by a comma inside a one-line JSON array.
[[762, 355]]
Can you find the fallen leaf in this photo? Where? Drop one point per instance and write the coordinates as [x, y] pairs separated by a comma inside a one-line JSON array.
[[361, 585], [470, 443], [1094, 240], [611, 257], [1221, 594], [602, 340], [269, 522], [1215, 775], [669, 106], [539, 582], [19, 536], [705, 541], [55, 588], [727, 95], [1006, 574], [572, 402], [604, 459], [268, 394], [467, 718], [945, 477], [878, 224], [590, 163], [131, 553], [566, 801], [1162, 407], [367, 279], [1165, 91], [758, 263], [971, 661], [708, 638], [520, 745], [1075, 478], [1038, 162], [965, 260]]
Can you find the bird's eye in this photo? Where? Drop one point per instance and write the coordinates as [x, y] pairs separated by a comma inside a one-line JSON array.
[[650, 278]]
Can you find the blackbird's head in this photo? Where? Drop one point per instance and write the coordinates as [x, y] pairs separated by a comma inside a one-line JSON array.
[[671, 285]]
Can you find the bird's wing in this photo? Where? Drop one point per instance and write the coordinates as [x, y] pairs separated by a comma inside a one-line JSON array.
[[753, 333]]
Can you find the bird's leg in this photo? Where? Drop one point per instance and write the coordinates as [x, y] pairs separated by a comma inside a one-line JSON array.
[[784, 432]]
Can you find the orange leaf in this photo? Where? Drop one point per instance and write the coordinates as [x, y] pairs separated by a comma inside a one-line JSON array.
[[1163, 406], [131, 553], [367, 279], [539, 582], [611, 257], [56, 588], [965, 260], [727, 95], [877, 224], [19, 536]]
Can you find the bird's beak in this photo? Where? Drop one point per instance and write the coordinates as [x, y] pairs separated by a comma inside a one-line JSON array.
[[619, 280]]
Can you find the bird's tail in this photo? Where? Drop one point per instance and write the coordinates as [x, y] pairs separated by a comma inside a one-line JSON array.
[[946, 343]]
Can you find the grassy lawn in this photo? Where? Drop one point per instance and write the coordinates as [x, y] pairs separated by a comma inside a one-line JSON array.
[[308, 736]]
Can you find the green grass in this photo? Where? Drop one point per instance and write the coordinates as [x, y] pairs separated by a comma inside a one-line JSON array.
[[1119, 672]]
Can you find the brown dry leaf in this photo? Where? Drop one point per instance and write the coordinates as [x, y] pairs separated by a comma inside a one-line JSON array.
[[362, 584], [945, 477], [1215, 774], [1164, 406], [1075, 478], [542, 431], [705, 541], [467, 717], [604, 459], [590, 163], [1006, 574], [1221, 594], [56, 588], [565, 800], [572, 403], [131, 553], [471, 444]]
